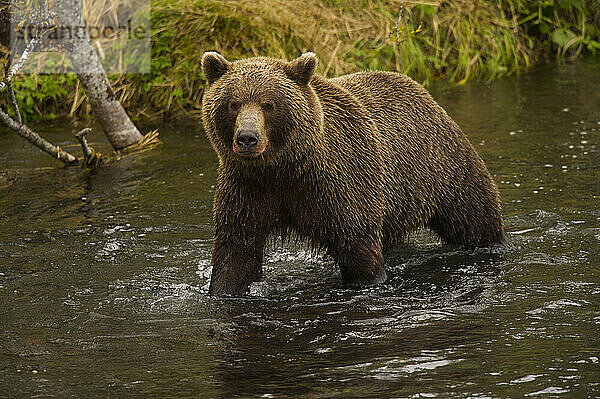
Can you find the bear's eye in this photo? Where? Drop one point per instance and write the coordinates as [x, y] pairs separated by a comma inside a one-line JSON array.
[[234, 106], [269, 106]]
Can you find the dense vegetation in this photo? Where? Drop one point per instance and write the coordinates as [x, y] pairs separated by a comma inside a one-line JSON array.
[[455, 40]]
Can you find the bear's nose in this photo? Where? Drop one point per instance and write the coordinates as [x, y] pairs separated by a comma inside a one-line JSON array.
[[247, 139]]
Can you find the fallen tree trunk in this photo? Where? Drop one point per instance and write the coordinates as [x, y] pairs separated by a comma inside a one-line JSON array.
[[38, 141], [117, 126]]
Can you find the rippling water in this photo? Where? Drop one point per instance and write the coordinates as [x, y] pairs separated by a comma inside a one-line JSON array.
[[103, 275]]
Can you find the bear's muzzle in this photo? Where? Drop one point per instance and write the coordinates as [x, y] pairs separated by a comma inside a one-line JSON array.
[[250, 140]]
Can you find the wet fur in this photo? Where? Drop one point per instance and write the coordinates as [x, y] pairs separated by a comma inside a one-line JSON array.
[[353, 165]]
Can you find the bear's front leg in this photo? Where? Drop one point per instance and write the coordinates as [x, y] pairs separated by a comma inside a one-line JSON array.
[[241, 232], [360, 261], [236, 262]]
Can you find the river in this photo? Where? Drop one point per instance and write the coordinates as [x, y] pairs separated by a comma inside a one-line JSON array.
[[104, 274]]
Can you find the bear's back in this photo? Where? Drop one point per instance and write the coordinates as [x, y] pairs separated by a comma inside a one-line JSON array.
[[397, 104], [411, 126]]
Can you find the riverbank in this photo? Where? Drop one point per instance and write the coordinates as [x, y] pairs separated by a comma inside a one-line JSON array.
[[452, 40]]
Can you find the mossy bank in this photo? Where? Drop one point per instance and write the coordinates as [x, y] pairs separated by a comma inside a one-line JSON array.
[[453, 40]]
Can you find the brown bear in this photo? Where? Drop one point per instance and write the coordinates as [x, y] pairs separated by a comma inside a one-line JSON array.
[[351, 164]]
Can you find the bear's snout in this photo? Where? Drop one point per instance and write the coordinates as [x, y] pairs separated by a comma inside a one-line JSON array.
[[250, 139], [247, 140]]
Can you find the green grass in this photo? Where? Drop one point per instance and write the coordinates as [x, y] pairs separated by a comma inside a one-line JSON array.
[[460, 40]]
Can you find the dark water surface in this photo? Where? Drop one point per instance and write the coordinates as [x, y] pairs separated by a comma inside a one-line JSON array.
[[103, 275]]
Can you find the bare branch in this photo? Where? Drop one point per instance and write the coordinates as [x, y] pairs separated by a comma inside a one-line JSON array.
[[84, 145], [394, 31], [12, 97], [90, 156], [41, 18], [36, 140], [13, 103], [17, 65]]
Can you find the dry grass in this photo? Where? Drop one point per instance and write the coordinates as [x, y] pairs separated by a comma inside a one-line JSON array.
[[461, 40]]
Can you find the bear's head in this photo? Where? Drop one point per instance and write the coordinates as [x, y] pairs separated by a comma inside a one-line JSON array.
[[257, 109]]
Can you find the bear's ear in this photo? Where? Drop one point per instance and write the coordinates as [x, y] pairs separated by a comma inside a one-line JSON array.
[[214, 65], [301, 69]]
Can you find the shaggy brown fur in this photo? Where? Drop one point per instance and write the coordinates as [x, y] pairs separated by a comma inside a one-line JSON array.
[[352, 164]]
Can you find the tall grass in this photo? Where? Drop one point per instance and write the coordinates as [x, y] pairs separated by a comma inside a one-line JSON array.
[[460, 40]]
